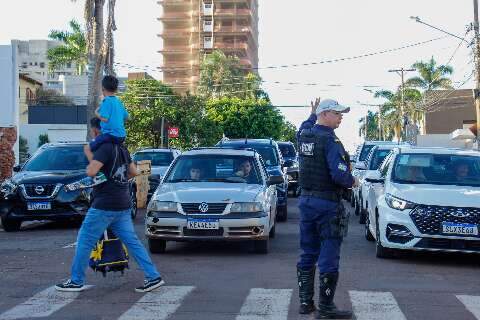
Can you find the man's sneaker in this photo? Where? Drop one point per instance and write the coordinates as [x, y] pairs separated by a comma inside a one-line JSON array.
[[69, 286], [150, 285]]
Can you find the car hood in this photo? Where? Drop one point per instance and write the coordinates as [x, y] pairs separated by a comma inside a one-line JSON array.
[[438, 195], [48, 176], [207, 192], [159, 170]]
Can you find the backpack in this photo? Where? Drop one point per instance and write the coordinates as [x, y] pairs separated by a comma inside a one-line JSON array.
[[109, 254]]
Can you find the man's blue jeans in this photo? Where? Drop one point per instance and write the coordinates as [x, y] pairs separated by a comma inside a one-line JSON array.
[[120, 222]]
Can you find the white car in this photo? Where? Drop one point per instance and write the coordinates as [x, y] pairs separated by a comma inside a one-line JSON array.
[[425, 199], [214, 194], [372, 163]]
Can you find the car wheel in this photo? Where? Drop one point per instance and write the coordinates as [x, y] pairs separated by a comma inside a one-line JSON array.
[[11, 225], [271, 234], [282, 214], [261, 246], [352, 199], [157, 245], [380, 251], [357, 208], [134, 209], [368, 234], [362, 216]]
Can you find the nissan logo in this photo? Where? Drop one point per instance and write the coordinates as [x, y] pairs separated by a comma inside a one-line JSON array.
[[460, 213], [39, 189], [203, 207]]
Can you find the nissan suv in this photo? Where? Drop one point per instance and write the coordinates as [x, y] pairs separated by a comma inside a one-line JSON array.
[[38, 190], [274, 162]]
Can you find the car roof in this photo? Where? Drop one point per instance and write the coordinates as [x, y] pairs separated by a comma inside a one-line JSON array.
[[377, 143], [64, 144], [383, 147], [155, 150], [284, 142], [247, 142], [437, 150], [220, 151]]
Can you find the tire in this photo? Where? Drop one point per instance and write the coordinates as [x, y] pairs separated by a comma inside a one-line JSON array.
[[362, 217], [380, 251], [11, 225], [282, 213], [272, 232], [352, 199], [157, 245], [134, 209], [261, 246], [368, 234], [357, 208]]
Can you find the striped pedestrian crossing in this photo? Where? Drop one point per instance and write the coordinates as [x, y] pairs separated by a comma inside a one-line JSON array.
[[259, 304]]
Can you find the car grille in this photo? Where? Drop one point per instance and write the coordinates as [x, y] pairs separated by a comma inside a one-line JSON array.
[[213, 208], [449, 244], [203, 233], [428, 219], [48, 190]]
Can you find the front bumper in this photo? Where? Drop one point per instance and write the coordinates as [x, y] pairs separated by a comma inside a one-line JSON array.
[[238, 226], [398, 231]]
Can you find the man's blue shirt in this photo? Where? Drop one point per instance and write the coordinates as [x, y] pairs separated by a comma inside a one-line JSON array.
[[339, 170], [113, 110]]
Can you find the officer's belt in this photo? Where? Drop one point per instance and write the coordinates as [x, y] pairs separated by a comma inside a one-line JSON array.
[[325, 195]]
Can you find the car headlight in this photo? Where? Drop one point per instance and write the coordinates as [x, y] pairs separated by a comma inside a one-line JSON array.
[[246, 207], [397, 203], [162, 206], [8, 187]]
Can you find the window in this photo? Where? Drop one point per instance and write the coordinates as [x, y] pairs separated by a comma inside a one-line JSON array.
[[158, 159], [69, 65], [36, 63], [42, 64], [377, 158], [384, 167]]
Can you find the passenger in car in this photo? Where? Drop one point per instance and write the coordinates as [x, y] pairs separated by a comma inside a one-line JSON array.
[[461, 170], [195, 172]]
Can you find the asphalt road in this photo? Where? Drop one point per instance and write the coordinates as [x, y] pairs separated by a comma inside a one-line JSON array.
[[228, 281]]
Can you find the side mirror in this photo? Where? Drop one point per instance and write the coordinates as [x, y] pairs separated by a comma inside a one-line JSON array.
[[374, 177], [275, 180], [17, 168], [361, 165]]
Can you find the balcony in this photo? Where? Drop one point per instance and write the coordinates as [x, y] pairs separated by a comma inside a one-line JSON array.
[[174, 3], [208, 9], [178, 16], [230, 29], [225, 46], [178, 50], [232, 13]]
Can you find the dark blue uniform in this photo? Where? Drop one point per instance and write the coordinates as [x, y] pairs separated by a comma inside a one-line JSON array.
[[318, 242]]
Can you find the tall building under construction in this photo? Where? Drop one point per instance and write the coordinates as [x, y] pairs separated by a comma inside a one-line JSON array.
[[194, 28]]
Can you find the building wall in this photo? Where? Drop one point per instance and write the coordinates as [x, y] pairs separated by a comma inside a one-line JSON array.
[[445, 121], [25, 98], [75, 87], [55, 132]]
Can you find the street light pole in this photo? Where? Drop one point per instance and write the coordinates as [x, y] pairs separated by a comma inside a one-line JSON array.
[[477, 68], [401, 73]]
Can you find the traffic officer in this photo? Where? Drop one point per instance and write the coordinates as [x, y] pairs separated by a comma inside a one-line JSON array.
[[324, 174]]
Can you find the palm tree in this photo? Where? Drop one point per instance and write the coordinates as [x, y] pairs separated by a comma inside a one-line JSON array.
[[431, 76], [369, 126], [73, 49]]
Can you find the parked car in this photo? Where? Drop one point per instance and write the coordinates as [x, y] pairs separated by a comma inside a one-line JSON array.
[[372, 163], [273, 160], [290, 156], [160, 160], [36, 191], [207, 194], [425, 199]]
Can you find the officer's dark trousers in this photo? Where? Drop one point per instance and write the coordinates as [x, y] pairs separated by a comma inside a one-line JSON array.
[[317, 242]]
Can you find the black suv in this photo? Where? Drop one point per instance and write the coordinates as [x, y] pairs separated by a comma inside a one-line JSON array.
[[37, 190], [274, 163], [290, 156]]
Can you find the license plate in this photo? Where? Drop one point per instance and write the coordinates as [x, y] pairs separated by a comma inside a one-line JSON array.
[[39, 206], [203, 224], [463, 229]]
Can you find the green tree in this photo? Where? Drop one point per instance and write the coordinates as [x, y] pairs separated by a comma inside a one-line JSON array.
[[289, 132], [431, 76], [42, 139], [369, 126], [240, 118], [73, 49], [50, 97]]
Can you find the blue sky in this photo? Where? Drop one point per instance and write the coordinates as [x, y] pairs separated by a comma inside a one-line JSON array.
[[291, 32]]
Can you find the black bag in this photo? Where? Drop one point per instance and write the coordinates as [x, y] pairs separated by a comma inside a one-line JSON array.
[[110, 254]]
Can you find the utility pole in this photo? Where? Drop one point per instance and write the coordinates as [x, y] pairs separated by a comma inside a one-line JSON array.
[[401, 73], [477, 68]]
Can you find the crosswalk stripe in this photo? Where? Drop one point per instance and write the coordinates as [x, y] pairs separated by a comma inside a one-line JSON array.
[[472, 303], [368, 305], [158, 304], [43, 304], [266, 304]]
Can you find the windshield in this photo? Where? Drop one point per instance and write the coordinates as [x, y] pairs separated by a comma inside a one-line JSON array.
[[441, 169], [287, 150], [58, 158], [377, 158], [365, 151], [158, 159], [214, 168]]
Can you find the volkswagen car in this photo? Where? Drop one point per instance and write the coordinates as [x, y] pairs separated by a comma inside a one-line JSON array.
[[214, 194]]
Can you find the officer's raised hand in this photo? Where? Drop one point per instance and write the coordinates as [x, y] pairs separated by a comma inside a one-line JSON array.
[[314, 105]]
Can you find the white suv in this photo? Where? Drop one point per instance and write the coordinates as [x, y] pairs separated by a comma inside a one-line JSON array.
[[425, 199], [214, 194]]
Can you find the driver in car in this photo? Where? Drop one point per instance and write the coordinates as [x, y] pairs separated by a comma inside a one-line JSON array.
[[195, 172], [245, 172]]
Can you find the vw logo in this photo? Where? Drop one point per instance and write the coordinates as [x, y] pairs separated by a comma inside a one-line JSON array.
[[203, 207], [39, 189], [459, 213]]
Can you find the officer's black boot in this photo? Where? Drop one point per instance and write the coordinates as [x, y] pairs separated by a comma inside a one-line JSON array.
[[306, 283], [326, 307]]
